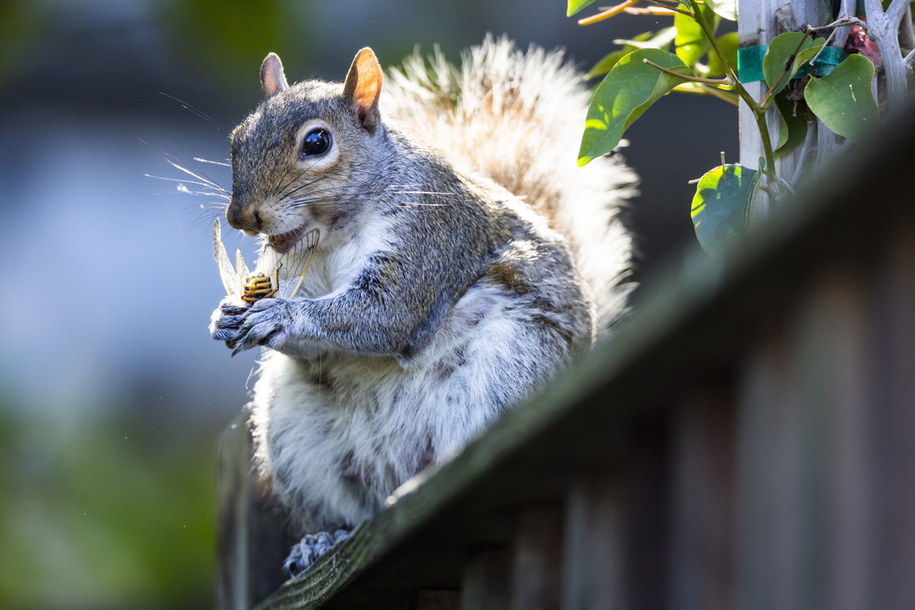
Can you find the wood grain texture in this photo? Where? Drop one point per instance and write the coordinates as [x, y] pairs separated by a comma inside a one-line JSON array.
[[486, 584], [252, 539], [703, 548], [536, 559], [427, 599], [594, 557]]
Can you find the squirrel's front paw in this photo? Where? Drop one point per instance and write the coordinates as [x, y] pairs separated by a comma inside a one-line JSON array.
[[310, 548], [226, 320], [266, 322]]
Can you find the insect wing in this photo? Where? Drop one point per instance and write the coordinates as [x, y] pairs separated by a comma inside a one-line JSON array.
[[241, 267], [299, 261], [269, 261], [227, 272]]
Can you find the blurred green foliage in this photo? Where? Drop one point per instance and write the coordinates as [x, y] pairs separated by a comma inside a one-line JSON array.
[[20, 25], [107, 513], [225, 35]]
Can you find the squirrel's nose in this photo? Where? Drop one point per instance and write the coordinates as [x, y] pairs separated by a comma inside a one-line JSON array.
[[241, 218]]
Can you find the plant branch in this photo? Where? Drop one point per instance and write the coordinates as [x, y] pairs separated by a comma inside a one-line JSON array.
[[838, 23], [692, 79], [608, 13], [729, 69], [767, 98], [674, 7], [730, 98], [906, 35], [896, 10], [847, 10], [658, 11], [909, 59], [759, 113], [768, 153], [883, 28]]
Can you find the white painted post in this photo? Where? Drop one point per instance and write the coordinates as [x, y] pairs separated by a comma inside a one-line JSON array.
[[759, 22]]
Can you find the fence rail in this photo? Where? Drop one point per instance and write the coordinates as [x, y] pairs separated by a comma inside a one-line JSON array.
[[746, 440]]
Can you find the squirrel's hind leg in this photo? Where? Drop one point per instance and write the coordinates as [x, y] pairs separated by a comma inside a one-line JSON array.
[[307, 550]]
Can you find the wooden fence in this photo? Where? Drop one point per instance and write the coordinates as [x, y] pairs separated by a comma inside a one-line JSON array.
[[746, 440]]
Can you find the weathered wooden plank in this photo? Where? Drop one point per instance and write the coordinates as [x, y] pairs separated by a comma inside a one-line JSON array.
[[232, 538], [703, 548], [536, 553], [436, 600], [892, 422], [593, 562], [803, 468], [762, 475], [647, 480], [252, 539], [487, 581], [846, 375]]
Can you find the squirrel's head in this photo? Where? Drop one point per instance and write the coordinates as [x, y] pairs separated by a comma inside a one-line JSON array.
[[299, 160]]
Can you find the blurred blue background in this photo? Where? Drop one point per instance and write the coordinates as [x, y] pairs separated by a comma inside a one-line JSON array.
[[112, 394]]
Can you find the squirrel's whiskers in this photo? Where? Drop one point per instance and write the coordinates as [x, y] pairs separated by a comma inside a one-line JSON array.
[[210, 187], [201, 185]]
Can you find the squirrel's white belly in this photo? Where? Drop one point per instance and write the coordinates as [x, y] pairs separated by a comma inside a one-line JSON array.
[[338, 434]]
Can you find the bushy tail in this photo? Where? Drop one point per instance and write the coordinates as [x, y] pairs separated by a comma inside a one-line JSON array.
[[517, 117]]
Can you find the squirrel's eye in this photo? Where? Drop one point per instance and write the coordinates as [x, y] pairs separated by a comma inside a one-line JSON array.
[[316, 142]]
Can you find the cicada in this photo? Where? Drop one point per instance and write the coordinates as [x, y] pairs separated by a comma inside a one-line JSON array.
[[274, 274]]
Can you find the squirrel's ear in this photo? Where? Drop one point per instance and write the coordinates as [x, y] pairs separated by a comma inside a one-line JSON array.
[[363, 87], [273, 80]]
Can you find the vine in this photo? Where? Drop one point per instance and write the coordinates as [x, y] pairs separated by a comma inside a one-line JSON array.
[[824, 73]]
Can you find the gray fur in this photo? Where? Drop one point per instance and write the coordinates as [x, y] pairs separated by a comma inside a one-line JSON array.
[[437, 299]]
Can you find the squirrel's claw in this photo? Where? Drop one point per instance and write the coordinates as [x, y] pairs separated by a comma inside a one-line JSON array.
[[264, 323], [226, 320], [310, 548]]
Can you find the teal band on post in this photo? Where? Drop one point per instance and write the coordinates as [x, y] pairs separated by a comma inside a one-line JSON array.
[[828, 59], [750, 62]]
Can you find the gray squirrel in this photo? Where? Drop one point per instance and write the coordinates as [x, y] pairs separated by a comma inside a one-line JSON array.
[[463, 260]]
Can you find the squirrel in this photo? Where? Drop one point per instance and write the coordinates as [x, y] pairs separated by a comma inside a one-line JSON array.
[[463, 260]]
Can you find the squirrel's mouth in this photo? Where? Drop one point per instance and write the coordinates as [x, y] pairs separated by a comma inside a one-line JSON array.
[[284, 242]]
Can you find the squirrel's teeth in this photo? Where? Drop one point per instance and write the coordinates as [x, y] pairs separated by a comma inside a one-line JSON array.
[[284, 242]]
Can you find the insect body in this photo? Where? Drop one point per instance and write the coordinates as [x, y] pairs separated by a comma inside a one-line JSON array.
[[266, 280], [260, 286]]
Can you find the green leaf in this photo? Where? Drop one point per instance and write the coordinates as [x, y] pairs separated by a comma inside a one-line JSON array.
[[722, 203], [646, 40], [576, 5], [728, 46], [608, 61], [690, 41], [724, 8], [793, 119], [778, 64], [843, 100], [630, 88]]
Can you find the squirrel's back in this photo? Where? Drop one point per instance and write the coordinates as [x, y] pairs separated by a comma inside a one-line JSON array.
[[516, 117]]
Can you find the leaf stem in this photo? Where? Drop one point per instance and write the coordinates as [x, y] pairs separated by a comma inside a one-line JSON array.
[[759, 113], [730, 98], [658, 11], [696, 14], [607, 14], [692, 79], [769, 154]]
